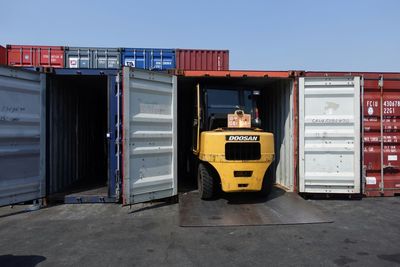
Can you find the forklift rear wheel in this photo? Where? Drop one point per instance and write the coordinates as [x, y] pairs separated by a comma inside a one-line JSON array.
[[205, 182]]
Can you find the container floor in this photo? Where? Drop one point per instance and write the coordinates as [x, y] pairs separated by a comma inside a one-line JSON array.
[[83, 193], [92, 195]]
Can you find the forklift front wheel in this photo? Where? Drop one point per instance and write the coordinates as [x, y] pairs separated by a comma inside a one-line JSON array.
[[205, 181], [267, 185]]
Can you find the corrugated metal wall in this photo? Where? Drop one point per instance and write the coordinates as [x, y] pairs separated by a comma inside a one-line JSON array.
[[329, 135], [35, 56], [148, 58], [197, 59], [77, 119], [279, 120], [21, 136], [92, 57], [149, 135], [3, 55], [381, 112]]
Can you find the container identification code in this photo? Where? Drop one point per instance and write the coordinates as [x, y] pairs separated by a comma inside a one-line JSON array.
[[390, 105]]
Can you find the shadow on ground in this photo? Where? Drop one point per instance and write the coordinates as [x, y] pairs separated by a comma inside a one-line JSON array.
[[250, 197], [18, 260]]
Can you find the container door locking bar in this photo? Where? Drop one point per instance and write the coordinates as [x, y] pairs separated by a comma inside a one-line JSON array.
[[118, 139]]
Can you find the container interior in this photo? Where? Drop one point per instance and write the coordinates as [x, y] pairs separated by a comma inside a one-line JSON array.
[[276, 113], [76, 138]]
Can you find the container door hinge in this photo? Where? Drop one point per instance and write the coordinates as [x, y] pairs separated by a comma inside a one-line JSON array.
[[380, 82], [117, 185], [118, 141]]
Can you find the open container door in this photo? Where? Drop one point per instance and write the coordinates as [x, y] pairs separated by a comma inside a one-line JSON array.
[[149, 135], [22, 134], [329, 136]]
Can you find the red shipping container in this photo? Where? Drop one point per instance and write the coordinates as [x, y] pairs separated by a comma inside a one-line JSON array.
[[381, 131], [193, 59], [3, 55], [35, 56]]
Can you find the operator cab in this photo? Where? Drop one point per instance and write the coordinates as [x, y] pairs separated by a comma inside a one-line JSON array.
[[217, 102], [220, 102]]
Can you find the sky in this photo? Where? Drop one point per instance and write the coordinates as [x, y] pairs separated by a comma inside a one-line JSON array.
[[352, 35]]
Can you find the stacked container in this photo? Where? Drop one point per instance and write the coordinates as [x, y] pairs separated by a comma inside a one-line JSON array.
[[195, 59], [3, 55], [29, 56], [34, 56], [92, 58], [148, 58]]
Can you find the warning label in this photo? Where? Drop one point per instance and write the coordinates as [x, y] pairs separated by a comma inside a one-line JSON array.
[[370, 180]]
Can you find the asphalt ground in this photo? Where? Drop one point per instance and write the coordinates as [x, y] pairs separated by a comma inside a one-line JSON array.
[[364, 233]]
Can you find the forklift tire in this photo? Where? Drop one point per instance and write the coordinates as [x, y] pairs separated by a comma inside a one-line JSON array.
[[205, 182], [267, 185]]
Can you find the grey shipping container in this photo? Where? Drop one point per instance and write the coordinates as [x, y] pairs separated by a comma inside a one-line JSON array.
[[60, 135], [149, 144], [92, 57], [22, 139]]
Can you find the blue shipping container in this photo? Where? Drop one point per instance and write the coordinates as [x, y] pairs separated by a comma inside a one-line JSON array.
[[149, 58]]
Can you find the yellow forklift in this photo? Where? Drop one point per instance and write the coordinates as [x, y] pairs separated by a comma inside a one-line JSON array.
[[232, 152]]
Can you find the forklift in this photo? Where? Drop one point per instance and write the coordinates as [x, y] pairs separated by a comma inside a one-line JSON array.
[[231, 151]]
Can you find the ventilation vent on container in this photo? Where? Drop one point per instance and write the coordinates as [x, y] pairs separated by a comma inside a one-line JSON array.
[[242, 151]]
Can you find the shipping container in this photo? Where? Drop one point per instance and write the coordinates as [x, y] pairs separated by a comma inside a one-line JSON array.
[[81, 110], [148, 58], [196, 59], [329, 135], [22, 138], [278, 112], [92, 58], [81, 156], [56, 131], [149, 144], [109, 134], [60, 135], [35, 56], [380, 112], [3, 55]]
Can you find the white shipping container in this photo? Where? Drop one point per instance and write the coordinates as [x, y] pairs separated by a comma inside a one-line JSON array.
[[329, 135], [149, 135]]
